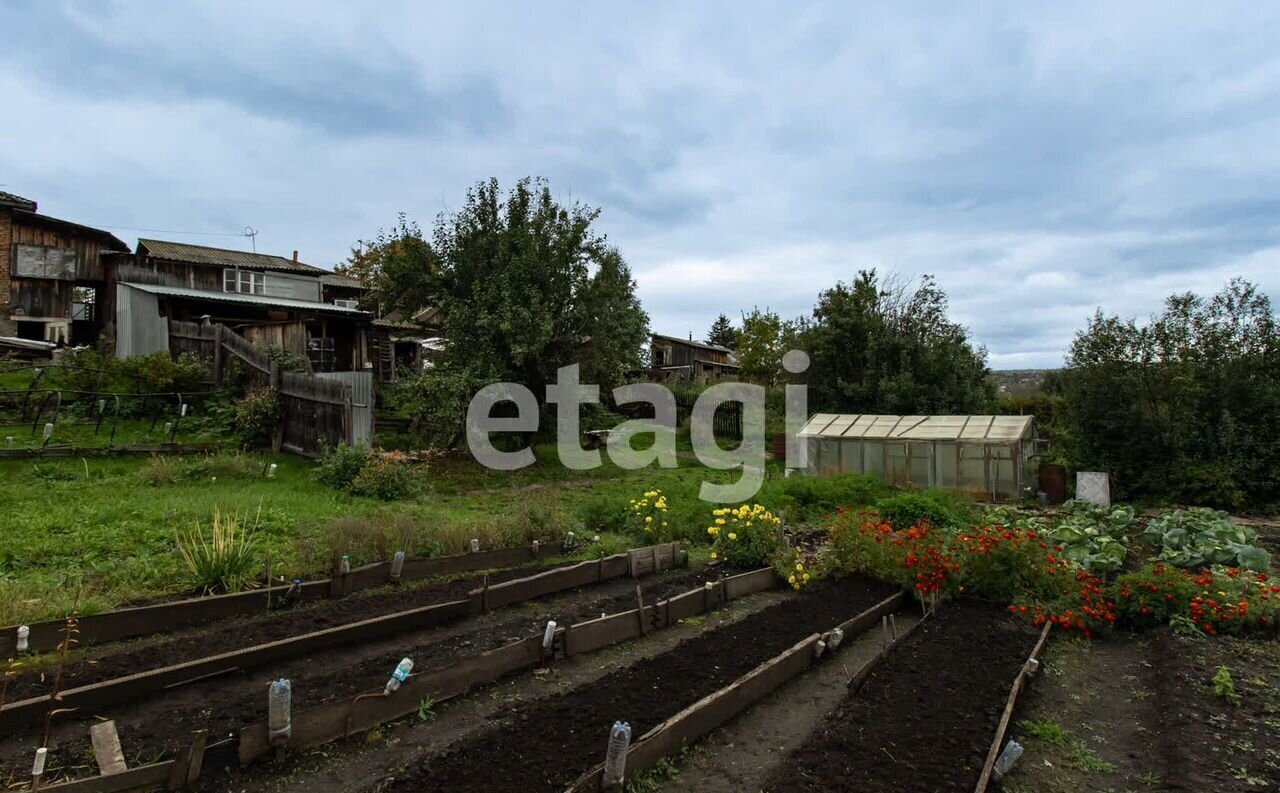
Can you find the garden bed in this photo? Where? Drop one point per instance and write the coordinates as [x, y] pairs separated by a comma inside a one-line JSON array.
[[923, 720], [223, 705], [547, 744]]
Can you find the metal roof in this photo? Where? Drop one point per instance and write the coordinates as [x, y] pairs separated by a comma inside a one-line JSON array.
[[334, 279], [918, 428], [691, 343], [11, 200], [222, 257], [257, 300]]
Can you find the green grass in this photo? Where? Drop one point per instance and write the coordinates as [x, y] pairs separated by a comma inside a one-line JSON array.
[[104, 528]]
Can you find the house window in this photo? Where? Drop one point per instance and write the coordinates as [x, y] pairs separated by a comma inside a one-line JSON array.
[[345, 303], [243, 281]]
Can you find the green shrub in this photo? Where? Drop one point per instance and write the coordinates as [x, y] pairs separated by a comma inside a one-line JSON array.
[[340, 465], [941, 508], [286, 360], [257, 416], [388, 476], [600, 514], [159, 372], [365, 540], [226, 560], [806, 499]]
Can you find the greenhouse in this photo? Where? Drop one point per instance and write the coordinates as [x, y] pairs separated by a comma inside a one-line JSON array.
[[985, 456]]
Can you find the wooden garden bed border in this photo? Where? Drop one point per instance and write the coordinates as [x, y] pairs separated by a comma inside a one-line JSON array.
[[717, 708], [121, 689], [137, 621], [336, 720], [1018, 683]]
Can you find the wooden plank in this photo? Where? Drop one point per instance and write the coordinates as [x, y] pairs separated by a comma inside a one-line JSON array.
[[335, 720], [537, 585], [868, 618], [747, 583], [142, 776], [122, 689], [106, 748], [993, 754], [161, 617]]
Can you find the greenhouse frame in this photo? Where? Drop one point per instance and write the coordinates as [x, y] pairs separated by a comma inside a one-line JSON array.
[[987, 457]]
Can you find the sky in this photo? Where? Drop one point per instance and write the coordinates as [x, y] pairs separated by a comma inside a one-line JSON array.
[[1041, 161]]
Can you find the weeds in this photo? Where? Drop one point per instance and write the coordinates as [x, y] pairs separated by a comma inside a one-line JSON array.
[[427, 709], [1224, 686], [224, 562]]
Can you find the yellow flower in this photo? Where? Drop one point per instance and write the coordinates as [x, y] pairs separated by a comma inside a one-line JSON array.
[[714, 556], [733, 536], [791, 580], [664, 523], [805, 576], [648, 519], [719, 521], [799, 567]]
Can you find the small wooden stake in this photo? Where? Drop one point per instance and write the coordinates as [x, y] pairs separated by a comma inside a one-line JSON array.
[[268, 580], [893, 626], [484, 594], [640, 610], [106, 748]]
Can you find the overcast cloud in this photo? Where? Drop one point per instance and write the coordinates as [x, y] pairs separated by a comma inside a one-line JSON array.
[[1041, 161]]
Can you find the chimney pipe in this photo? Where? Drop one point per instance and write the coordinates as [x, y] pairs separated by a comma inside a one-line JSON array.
[[295, 257]]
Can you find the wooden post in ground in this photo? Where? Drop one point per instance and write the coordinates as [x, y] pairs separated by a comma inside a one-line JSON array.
[[277, 437], [640, 610]]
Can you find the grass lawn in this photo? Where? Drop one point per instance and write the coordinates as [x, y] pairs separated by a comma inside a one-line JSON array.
[[106, 526]]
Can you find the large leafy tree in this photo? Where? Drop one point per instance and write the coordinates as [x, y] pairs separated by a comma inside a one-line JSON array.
[[524, 284], [1185, 406], [887, 346], [722, 333]]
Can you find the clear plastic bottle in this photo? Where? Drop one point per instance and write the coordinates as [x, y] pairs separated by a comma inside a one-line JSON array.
[[344, 566], [279, 711], [400, 675], [397, 565], [1007, 759], [615, 759], [549, 635], [24, 636], [837, 636]]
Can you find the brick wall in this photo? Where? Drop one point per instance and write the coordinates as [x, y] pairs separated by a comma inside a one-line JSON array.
[[7, 326]]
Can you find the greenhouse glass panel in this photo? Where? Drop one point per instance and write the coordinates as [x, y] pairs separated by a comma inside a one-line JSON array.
[[945, 462], [899, 472], [851, 457], [873, 458], [973, 468], [920, 457]]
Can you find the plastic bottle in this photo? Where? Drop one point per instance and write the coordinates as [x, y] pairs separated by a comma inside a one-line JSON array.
[[1007, 759], [475, 546], [400, 675], [279, 711], [549, 635], [344, 566], [24, 636], [836, 637], [615, 759], [37, 767], [397, 565], [569, 540]]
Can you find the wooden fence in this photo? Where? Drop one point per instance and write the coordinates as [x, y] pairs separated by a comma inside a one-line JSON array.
[[314, 411]]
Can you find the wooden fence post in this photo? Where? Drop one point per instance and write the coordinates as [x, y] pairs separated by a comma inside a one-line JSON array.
[[277, 439], [219, 358]]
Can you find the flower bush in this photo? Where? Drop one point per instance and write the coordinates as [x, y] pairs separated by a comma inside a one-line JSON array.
[[648, 516], [1218, 600], [389, 476], [747, 536], [796, 568], [257, 416]]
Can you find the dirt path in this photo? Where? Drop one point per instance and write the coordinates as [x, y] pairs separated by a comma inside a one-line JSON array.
[[157, 726], [923, 722], [741, 755]]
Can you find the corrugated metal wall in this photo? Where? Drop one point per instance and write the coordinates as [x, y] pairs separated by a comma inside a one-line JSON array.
[[140, 330], [361, 384]]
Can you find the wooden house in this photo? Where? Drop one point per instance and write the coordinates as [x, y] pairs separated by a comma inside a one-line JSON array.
[[52, 280], [671, 357], [270, 300]]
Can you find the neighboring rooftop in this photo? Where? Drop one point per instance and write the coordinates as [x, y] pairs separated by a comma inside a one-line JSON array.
[[16, 201], [692, 343], [238, 297], [222, 257], [112, 241], [334, 279], [918, 428]]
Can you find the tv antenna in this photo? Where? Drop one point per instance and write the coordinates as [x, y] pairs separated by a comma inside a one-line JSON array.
[[252, 234]]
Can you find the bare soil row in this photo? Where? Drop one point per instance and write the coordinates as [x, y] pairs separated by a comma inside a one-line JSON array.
[[546, 744], [156, 727]]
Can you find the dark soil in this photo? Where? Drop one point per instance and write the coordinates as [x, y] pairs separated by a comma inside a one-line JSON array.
[[546, 744], [117, 659], [155, 728], [925, 719], [1210, 741]]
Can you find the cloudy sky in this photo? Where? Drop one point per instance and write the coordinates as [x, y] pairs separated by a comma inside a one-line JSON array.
[[1040, 161]]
